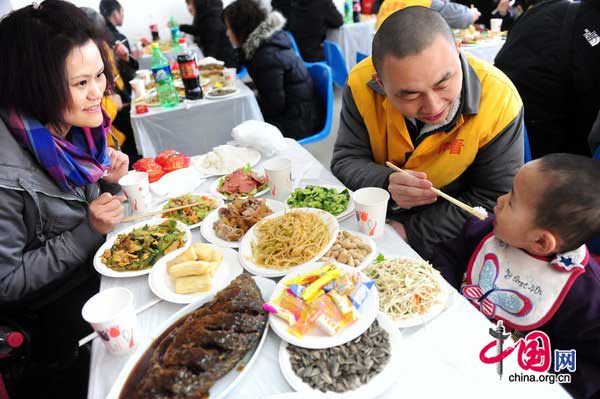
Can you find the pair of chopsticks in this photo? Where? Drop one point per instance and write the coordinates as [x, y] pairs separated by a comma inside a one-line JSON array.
[[442, 194], [159, 212]]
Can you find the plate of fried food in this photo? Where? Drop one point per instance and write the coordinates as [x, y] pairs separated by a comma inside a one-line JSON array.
[[135, 250], [192, 216], [287, 239], [227, 225], [199, 271]]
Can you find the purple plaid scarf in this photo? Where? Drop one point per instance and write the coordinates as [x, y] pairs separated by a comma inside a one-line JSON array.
[[71, 163]]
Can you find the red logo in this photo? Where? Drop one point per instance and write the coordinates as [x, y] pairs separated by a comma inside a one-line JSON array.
[[453, 147]]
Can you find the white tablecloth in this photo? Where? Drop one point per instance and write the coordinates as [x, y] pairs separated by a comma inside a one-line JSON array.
[[352, 38], [486, 50], [193, 127], [441, 357]]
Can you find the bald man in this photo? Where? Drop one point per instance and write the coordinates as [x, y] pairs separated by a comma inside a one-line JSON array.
[[453, 121]]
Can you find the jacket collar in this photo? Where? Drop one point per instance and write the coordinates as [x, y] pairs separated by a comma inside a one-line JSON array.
[[273, 23]]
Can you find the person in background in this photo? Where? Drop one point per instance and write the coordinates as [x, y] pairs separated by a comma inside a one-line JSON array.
[[458, 16], [57, 184], [533, 254], [209, 29], [493, 9], [114, 14], [451, 120], [308, 21], [553, 57], [286, 94]]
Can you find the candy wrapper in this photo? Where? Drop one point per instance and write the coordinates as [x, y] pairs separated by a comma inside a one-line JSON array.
[[292, 304], [275, 309], [360, 294], [346, 283], [312, 276], [327, 325], [316, 287], [345, 306]]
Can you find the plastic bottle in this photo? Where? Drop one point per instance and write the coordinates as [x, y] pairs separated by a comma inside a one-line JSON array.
[[356, 11], [348, 11], [167, 94]]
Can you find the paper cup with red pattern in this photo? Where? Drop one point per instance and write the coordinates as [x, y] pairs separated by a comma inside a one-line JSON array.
[[111, 314], [279, 174], [370, 204], [136, 187]]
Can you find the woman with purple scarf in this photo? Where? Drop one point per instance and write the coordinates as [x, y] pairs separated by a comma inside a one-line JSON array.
[[57, 180]]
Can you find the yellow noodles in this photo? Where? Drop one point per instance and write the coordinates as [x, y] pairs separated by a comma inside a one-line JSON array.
[[289, 240]]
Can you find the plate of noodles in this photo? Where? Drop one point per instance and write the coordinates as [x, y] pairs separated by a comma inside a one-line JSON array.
[[287, 239], [411, 291]]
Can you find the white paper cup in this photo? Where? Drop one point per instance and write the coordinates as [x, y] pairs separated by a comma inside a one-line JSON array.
[[136, 187], [279, 174], [139, 88], [145, 75], [496, 24], [111, 314], [370, 208], [230, 76]]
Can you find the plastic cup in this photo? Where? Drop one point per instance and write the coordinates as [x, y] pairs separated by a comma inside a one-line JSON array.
[[370, 208], [111, 314], [139, 88], [496, 24], [230, 76], [145, 75], [136, 187], [278, 171]]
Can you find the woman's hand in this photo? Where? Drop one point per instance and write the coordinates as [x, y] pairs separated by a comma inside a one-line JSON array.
[[121, 51], [117, 100], [105, 212], [503, 7], [412, 189], [119, 165]]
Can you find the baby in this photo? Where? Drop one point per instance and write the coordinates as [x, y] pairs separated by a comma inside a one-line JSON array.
[[530, 267]]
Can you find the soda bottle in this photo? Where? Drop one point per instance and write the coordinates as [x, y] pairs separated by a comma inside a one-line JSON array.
[[190, 75], [356, 11], [173, 23], [175, 35], [183, 45], [154, 31], [348, 11], [167, 94]]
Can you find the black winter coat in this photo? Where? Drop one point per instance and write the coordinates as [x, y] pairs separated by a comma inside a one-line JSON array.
[[209, 34], [286, 95], [308, 21], [554, 61], [486, 7]]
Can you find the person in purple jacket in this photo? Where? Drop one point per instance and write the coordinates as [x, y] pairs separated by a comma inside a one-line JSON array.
[[529, 265]]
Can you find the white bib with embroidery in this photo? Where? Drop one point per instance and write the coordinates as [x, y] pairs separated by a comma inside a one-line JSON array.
[[507, 283]]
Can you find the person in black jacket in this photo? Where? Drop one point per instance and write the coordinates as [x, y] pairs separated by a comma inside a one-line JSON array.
[[286, 94], [308, 21], [493, 9], [208, 30], [552, 55]]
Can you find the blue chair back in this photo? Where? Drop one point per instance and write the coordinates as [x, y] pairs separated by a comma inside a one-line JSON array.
[[335, 59], [527, 155], [360, 56], [242, 71], [321, 76], [294, 45]]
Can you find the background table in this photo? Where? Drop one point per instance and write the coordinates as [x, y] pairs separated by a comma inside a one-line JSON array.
[[486, 49], [352, 38], [193, 127], [441, 357]]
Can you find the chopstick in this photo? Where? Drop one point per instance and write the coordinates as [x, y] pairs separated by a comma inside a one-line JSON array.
[[145, 307], [447, 197], [159, 212]]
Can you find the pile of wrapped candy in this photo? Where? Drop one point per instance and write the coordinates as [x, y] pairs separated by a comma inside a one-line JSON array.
[[326, 298]]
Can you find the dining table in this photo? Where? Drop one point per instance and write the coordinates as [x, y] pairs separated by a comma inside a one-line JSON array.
[[440, 358]]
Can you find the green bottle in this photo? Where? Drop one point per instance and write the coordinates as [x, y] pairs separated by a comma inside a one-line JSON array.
[[167, 94]]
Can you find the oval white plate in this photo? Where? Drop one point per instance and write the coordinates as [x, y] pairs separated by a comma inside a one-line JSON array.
[[369, 241], [197, 161], [208, 231], [215, 185], [246, 247], [164, 287], [210, 96], [349, 209], [433, 312], [196, 225], [316, 339], [178, 182], [226, 383], [106, 271], [373, 388]]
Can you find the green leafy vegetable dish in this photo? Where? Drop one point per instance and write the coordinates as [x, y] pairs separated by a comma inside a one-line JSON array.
[[327, 199]]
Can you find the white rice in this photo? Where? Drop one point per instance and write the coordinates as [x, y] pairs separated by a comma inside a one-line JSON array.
[[226, 158]]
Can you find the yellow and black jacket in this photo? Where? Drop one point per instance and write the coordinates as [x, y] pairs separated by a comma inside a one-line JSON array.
[[474, 157]]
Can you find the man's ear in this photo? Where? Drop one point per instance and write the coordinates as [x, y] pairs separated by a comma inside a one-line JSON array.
[[376, 78], [545, 244]]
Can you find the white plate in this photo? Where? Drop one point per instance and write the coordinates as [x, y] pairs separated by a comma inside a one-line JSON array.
[[106, 271], [316, 339], [164, 287], [195, 225], [246, 247], [208, 231], [215, 185], [369, 241], [210, 96], [226, 383], [433, 312], [349, 209], [197, 161], [178, 182], [373, 388]]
